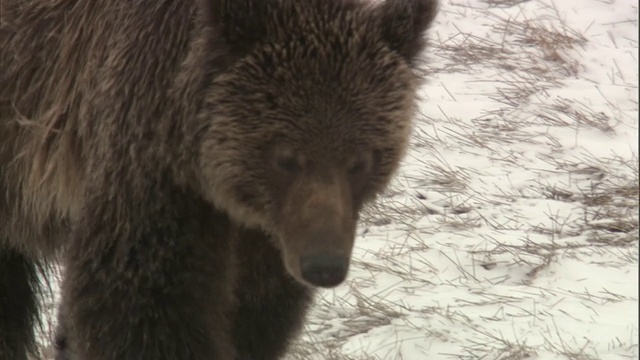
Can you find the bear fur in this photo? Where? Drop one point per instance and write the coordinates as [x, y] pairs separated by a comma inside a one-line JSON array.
[[197, 167]]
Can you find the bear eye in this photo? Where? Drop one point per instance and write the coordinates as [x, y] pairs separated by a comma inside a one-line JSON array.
[[288, 163], [284, 158], [356, 167], [359, 164]]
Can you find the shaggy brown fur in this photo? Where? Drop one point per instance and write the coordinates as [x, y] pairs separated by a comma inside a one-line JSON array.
[[199, 166]]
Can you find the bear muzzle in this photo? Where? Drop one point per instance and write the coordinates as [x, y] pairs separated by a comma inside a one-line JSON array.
[[319, 257], [325, 255], [324, 269], [317, 230]]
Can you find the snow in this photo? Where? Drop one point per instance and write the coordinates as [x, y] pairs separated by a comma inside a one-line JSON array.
[[511, 231]]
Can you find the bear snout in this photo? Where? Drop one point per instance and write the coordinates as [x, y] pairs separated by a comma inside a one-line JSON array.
[[325, 255], [318, 257], [324, 269]]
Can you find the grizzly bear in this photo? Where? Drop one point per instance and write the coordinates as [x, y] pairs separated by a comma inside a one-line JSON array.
[[197, 167]]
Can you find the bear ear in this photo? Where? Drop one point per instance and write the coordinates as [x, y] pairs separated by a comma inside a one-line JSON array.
[[403, 23], [239, 23]]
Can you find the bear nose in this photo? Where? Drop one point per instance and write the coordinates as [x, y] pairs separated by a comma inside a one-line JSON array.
[[324, 270]]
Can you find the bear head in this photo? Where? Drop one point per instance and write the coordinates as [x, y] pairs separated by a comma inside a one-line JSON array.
[[310, 120]]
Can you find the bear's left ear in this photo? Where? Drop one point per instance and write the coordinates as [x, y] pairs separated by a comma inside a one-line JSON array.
[[403, 24], [240, 24]]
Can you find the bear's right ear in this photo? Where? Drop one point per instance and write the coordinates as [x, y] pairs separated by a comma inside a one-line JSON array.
[[403, 23], [239, 23]]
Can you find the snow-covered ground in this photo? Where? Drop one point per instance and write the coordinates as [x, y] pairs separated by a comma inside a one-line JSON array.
[[512, 230]]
